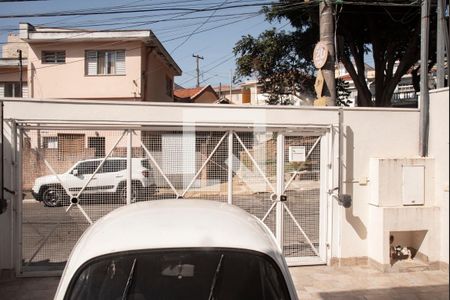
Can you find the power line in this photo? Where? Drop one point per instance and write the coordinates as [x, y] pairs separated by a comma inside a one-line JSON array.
[[179, 16], [185, 9], [120, 42], [173, 39], [198, 28]]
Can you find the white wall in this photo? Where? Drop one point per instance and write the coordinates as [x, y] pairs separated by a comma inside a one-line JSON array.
[[439, 149], [370, 134]]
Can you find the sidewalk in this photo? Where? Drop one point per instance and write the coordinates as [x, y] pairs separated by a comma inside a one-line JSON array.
[[346, 283], [351, 283]]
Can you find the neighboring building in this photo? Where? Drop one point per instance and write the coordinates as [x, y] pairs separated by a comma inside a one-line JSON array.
[[9, 68], [233, 94], [98, 65], [196, 95], [250, 92], [83, 65], [404, 94]]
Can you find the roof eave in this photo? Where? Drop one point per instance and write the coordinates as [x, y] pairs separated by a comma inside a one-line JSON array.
[[171, 61]]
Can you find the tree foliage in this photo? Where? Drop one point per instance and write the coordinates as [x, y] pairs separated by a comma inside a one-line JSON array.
[[278, 60], [282, 61]]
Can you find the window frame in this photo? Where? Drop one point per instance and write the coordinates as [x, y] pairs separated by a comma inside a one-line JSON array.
[[55, 53], [109, 62], [13, 87], [50, 140]]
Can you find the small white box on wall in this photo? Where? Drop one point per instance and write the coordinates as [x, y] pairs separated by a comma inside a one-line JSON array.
[[401, 182], [413, 185]]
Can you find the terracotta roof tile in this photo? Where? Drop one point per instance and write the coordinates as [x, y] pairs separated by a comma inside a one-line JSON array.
[[187, 93]]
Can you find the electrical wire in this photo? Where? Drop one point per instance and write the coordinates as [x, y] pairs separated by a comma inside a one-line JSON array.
[[176, 8], [198, 28]]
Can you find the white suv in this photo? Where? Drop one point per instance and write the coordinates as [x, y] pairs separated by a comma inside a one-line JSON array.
[[110, 179]]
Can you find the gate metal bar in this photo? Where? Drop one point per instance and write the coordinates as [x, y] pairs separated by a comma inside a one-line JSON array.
[[269, 211], [205, 164], [43, 242], [230, 167], [254, 162], [155, 163], [301, 230], [129, 166], [17, 173], [279, 224], [47, 164]]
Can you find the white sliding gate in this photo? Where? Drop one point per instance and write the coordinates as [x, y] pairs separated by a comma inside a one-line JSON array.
[[280, 177]]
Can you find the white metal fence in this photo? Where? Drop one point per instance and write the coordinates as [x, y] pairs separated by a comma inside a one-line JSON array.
[[72, 177]]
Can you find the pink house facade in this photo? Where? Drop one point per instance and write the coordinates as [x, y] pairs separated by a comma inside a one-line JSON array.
[[90, 65]]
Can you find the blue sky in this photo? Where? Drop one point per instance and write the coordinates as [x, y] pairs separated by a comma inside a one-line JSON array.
[[215, 44]]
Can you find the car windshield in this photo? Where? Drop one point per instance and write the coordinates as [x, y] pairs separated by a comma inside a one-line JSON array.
[[180, 274]]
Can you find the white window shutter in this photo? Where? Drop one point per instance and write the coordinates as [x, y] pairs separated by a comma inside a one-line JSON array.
[[2, 90], [120, 62], [25, 91], [91, 62]]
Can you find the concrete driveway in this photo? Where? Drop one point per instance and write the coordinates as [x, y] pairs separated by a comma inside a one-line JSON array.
[[346, 283]]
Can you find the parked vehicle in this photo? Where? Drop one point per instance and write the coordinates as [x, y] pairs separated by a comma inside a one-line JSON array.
[[110, 179], [177, 249]]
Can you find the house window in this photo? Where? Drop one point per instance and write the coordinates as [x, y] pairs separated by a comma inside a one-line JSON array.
[[105, 62], [97, 143], [53, 57], [50, 142], [10, 89], [169, 86]]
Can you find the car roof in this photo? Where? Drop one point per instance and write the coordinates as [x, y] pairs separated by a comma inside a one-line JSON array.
[[173, 224]]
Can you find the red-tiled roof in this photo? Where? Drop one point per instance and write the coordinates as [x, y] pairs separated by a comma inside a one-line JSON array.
[[188, 93], [346, 77]]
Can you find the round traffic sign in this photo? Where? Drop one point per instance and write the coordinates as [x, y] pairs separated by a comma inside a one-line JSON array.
[[320, 55]]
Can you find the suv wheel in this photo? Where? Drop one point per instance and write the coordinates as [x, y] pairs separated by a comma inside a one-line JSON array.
[[53, 196]]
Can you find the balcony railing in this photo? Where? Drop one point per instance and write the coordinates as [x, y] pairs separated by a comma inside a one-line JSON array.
[[404, 99]]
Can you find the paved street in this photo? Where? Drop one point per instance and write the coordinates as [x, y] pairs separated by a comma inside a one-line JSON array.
[[312, 283]]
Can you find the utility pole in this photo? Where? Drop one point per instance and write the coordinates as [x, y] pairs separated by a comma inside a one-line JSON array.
[[327, 38], [231, 86], [198, 58], [424, 89], [3, 203], [20, 73]]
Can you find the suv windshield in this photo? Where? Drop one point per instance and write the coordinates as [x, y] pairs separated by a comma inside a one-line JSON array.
[[180, 274]]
